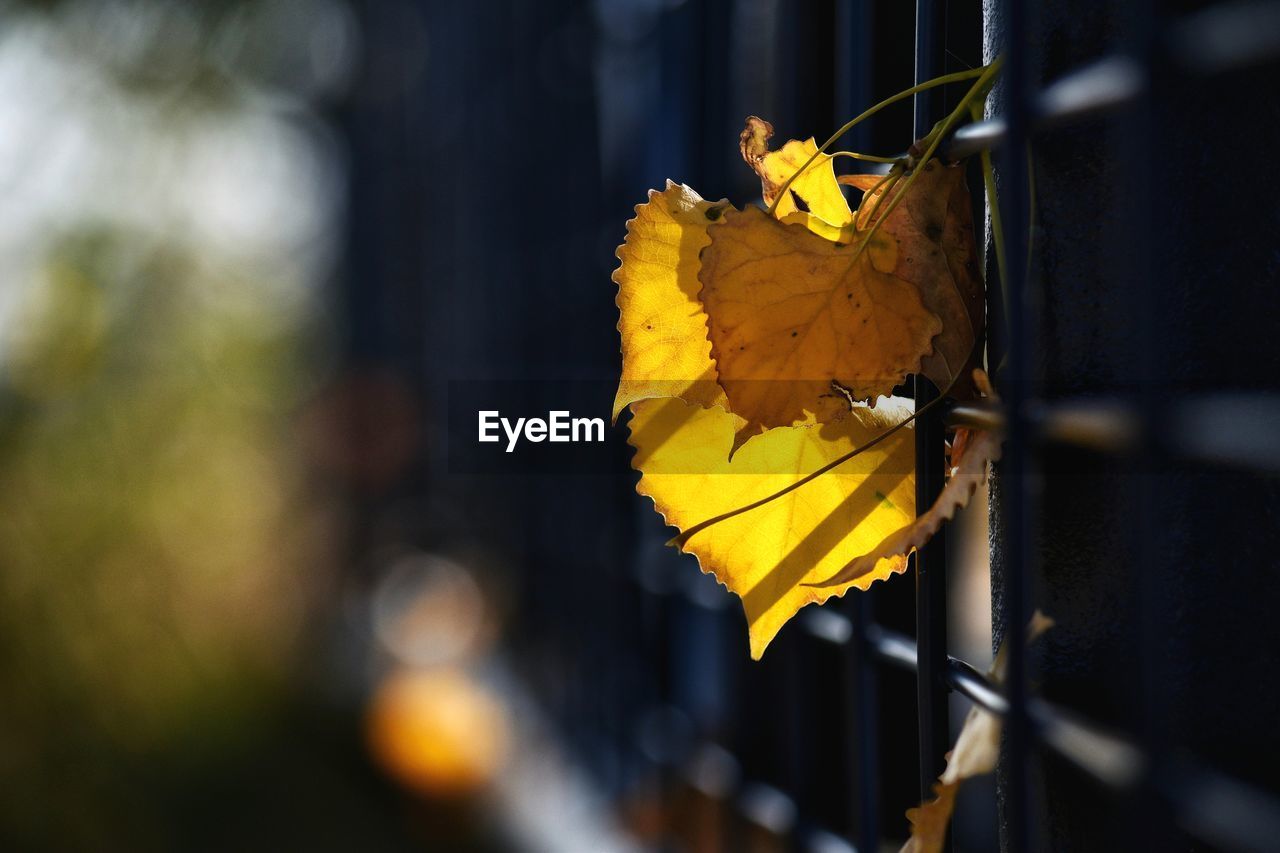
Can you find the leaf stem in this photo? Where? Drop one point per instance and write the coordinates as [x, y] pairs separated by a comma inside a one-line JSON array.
[[868, 158], [997, 227], [888, 183], [935, 138], [867, 113]]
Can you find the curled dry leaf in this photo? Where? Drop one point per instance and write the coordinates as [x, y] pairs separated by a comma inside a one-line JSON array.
[[933, 228], [815, 191], [665, 351], [789, 312], [929, 820], [765, 555], [969, 471], [976, 751]]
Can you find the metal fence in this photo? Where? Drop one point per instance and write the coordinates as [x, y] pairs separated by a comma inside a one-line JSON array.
[[757, 779], [844, 724]]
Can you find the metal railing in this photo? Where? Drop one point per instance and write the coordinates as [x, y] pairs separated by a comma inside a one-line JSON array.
[[1205, 803]]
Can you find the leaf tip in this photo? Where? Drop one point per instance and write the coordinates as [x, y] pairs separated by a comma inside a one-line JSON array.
[[753, 142]]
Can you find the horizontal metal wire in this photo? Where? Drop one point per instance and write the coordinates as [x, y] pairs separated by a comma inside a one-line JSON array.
[[716, 773], [900, 651], [821, 841], [891, 647], [1223, 811], [1108, 425], [1209, 804], [968, 682], [1223, 38], [768, 808], [975, 414], [1090, 91], [1110, 759], [1227, 37], [1240, 430]]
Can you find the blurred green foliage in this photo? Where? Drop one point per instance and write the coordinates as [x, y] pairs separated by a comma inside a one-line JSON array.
[[153, 534], [163, 548]]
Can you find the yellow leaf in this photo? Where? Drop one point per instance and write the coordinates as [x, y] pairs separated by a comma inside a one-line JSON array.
[[766, 555], [790, 312], [933, 229], [816, 188], [665, 351], [969, 471]]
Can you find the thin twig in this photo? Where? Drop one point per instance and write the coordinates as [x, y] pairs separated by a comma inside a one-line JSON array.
[[849, 125]]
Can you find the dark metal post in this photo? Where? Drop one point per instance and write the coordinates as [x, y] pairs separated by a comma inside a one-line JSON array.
[[865, 699], [853, 93], [1018, 493], [931, 565]]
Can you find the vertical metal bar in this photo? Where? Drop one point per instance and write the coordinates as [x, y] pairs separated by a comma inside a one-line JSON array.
[[854, 47], [853, 92], [1151, 819], [931, 561], [1018, 494], [931, 600], [866, 746]]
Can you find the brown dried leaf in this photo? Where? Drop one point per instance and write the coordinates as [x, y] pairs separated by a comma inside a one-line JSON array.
[[975, 753], [929, 821], [789, 312], [933, 227]]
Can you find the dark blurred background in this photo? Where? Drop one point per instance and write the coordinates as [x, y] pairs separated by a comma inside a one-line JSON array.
[[250, 248], [247, 247]]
